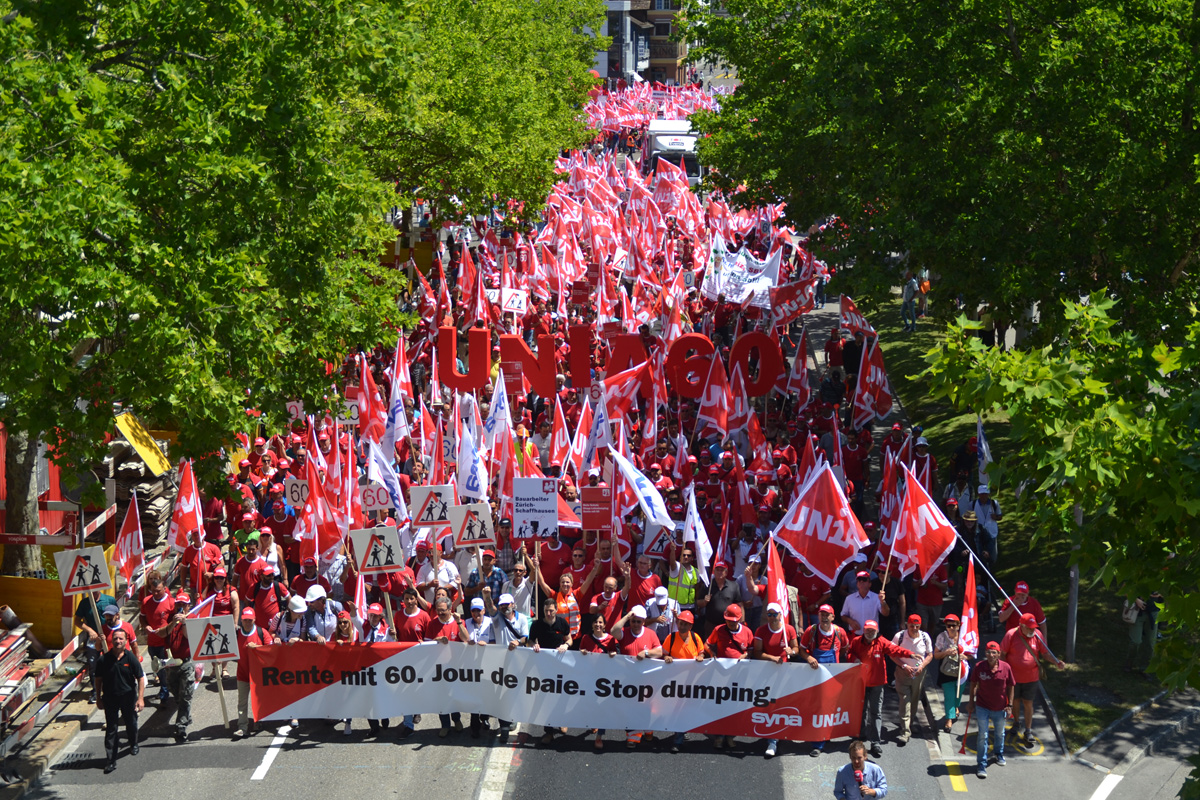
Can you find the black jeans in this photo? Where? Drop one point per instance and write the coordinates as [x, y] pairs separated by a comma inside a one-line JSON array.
[[117, 707]]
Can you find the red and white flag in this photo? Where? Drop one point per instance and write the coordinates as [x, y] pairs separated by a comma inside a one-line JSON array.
[[820, 529], [372, 413], [872, 394], [130, 552], [579, 444], [792, 300], [560, 441], [186, 516], [797, 382], [923, 534], [621, 390], [969, 639], [717, 398], [852, 320], [317, 527], [777, 583]]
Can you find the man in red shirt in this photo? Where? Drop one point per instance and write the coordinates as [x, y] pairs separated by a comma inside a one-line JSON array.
[[157, 608], [249, 566], [199, 561], [823, 643], [991, 699], [268, 596], [1019, 605], [446, 627], [609, 604], [307, 577], [249, 636], [872, 650], [410, 623], [731, 640], [775, 641], [642, 583], [635, 639], [1021, 648]]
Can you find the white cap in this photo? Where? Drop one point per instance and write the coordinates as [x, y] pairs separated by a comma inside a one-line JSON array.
[[661, 592], [594, 471], [778, 609], [983, 489], [477, 603], [296, 603], [314, 594], [639, 612], [506, 599]]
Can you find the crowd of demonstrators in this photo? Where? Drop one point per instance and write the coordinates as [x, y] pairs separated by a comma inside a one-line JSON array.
[[726, 475]]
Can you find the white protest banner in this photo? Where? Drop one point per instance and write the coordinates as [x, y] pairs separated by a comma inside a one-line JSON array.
[[718, 696], [375, 496], [295, 410], [81, 571], [471, 525], [212, 639], [535, 508], [377, 550], [430, 505]]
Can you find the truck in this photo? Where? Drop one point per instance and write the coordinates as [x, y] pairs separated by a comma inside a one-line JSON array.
[[673, 140]]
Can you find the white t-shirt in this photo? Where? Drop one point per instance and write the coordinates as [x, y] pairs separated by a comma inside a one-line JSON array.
[[447, 575], [921, 646], [861, 609], [483, 632]]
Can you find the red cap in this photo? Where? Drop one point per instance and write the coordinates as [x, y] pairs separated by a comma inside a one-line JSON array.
[[1022, 586], [896, 426], [276, 488], [733, 613], [259, 442], [491, 553], [249, 516], [182, 597], [1029, 620], [343, 615], [375, 608], [870, 625], [245, 462], [685, 616], [914, 619], [862, 573], [219, 572], [310, 561], [993, 647], [655, 465], [826, 609], [247, 613], [952, 618]]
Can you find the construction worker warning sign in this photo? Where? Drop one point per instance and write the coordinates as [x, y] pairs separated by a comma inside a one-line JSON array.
[[81, 571], [377, 550], [431, 505], [472, 525], [213, 638]]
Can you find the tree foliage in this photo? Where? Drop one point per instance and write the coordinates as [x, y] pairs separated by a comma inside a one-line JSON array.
[[1020, 151], [1109, 430], [494, 94], [193, 194]]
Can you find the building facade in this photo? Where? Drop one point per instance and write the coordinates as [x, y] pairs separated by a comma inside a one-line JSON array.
[[641, 41]]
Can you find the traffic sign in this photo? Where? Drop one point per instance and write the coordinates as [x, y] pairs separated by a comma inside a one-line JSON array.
[[81, 571], [377, 550], [472, 525], [212, 639], [431, 505]]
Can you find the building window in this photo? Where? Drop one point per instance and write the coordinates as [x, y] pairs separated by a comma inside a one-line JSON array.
[[666, 5], [662, 29]]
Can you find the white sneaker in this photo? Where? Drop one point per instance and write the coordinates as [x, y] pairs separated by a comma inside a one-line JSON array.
[[347, 731], [770, 750]]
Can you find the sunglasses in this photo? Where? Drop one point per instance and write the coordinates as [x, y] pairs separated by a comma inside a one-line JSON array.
[[772, 613]]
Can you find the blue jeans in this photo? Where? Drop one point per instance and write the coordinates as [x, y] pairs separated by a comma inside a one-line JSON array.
[[986, 716], [908, 315]]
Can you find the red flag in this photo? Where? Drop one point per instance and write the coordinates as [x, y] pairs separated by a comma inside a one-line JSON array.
[[797, 382], [820, 529], [130, 552], [372, 413], [402, 376], [808, 461], [186, 516], [925, 532], [317, 527], [792, 300], [872, 396], [579, 443], [852, 320], [621, 390], [776, 584], [742, 413], [889, 502], [758, 444], [969, 640], [560, 441], [717, 398]]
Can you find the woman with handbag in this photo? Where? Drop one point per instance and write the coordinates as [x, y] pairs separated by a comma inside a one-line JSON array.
[[948, 649]]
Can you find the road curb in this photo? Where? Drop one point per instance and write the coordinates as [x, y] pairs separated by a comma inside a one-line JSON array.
[[1120, 721], [1177, 724], [35, 759]]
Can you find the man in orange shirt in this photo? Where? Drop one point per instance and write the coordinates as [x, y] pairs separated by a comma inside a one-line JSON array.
[[683, 644], [1021, 648]]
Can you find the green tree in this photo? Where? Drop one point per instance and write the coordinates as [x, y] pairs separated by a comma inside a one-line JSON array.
[[1107, 422], [186, 230], [494, 94], [1020, 151]]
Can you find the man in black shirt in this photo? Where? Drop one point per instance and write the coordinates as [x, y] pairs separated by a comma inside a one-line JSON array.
[[553, 633], [122, 689], [721, 594]]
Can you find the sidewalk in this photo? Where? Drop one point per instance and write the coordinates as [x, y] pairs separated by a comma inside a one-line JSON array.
[[1141, 732]]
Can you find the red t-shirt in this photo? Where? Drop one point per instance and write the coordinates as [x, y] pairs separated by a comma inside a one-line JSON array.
[[247, 573], [283, 529], [930, 595], [815, 641], [157, 612], [854, 459], [588, 644], [1030, 606], [555, 562], [631, 645], [437, 628], [726, 644], [642, 589], [994, 683], [611, 612], [267, 602], [260, 636], [302, 583], [411, 629], [873, 657], [1022, 659], [775, 642]]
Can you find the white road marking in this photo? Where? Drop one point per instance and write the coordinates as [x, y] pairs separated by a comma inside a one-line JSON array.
[[271, 754], [1106, 786], [496, 768]]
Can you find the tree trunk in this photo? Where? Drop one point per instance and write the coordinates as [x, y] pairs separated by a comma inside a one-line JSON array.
[[21, 507]]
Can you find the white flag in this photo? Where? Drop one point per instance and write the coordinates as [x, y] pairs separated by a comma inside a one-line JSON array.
[[985, 452], [499, 417], [652, 503], [379, 470], [694, 532], [472, 472]]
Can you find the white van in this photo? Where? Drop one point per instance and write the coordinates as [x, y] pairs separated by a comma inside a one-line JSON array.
[[673, 140]]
